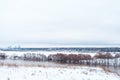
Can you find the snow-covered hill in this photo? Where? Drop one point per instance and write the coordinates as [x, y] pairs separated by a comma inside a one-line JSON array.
[[55, 73]]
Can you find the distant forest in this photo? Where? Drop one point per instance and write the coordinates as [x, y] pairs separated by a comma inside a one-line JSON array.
[[108, 49]]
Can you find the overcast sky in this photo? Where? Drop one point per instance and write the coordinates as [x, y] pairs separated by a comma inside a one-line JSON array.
[[60, 21]]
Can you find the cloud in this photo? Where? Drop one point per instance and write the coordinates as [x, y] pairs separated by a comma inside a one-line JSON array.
[[64, 21]]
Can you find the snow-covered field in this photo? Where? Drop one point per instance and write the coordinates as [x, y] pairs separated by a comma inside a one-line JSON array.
[[20, 53], [28, 70], [56, 73]]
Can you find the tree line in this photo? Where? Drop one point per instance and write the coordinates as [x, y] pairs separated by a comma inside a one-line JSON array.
[[104, 59]]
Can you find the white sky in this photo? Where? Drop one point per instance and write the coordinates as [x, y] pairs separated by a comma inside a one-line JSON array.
[[60, 21]]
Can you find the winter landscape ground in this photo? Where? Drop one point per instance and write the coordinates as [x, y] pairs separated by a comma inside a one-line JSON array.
[[56, 73], [15, 69], [10, 70]]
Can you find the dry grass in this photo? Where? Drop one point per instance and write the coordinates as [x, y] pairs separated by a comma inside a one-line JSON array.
[[105, 69], [9, 65]]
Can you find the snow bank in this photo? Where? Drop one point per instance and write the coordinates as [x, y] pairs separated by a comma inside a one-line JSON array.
[[49, 73]]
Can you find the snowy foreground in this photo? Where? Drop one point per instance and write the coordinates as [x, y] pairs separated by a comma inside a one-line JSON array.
[[55, 73]]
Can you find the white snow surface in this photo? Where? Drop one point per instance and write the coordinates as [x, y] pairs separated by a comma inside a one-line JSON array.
[[47, 53], [20, 53], [55, 73]]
